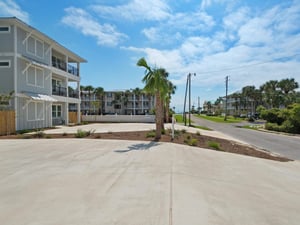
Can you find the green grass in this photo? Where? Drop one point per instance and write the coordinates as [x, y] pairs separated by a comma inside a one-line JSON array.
[[220, 119], [201, 127], [179, 118], [253, 127]]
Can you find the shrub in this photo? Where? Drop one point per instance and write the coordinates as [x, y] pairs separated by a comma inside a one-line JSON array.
[[198, 133], [38, 134], [272, 116], [150, 134], [82, 133], [193, 142], [284, 120], [213, 144], [272, 126]]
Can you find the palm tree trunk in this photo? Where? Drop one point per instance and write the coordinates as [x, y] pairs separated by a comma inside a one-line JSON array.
[[163, 118], [167, 110], [158, 116]]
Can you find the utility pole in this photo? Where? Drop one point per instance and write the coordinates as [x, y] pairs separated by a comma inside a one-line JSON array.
[[184, 114], [226, 84], [198, 105], [188, 86]]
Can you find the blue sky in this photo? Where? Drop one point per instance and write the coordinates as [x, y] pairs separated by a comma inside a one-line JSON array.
[[251, 41]]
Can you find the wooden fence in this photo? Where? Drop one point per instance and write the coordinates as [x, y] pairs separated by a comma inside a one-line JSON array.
[[7, 122], [73, 117]]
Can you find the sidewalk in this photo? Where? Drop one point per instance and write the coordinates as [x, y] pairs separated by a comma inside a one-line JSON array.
[[121, 127]]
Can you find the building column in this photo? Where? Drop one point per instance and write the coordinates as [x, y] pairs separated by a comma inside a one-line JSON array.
[[78, 113], [67, 113]]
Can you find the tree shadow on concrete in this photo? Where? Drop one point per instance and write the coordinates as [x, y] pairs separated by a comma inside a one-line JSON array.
[[139, 147]]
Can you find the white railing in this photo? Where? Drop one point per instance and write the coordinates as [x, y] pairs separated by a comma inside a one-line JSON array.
[[119, 118]]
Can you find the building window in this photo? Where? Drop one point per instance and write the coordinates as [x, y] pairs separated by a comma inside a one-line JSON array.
[[35, 47], [35, 76], [4, 29], [56, 111], [109, 94], [108, 103], [35, 111], [5, 64]]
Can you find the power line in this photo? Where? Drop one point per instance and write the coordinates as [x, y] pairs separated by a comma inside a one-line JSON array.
[[244, 66]]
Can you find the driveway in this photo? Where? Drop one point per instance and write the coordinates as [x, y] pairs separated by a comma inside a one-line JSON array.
[[288, 146], [111, 182]]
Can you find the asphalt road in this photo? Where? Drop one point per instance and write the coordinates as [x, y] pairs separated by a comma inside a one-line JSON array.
[[113, 182], [288, 146]]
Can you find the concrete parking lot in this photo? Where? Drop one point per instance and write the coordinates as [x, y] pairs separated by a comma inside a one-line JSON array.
[[94, 181]]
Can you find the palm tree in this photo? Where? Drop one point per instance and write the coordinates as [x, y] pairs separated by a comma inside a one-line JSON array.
[[209, 105], [99, 92], [270, 93], [90, 89], [171, 91], [136, 93], [237, 102], [248, 93], [155, 83], [287, 88]]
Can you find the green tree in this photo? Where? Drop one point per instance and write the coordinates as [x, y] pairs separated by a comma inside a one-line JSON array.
[[171, 91], [287, 89], [136, 92], [237, 102], [157, 84], [99, 93], [90, 90], [270, 94], [248, 92]]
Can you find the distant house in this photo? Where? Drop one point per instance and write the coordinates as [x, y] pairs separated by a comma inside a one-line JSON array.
[[40, 72]]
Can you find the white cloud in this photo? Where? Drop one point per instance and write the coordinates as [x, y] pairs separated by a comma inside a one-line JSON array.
[[152, 33], [234, 20], [205, 4], [10, 8], [179, 25], [153, 10], [105, 34]]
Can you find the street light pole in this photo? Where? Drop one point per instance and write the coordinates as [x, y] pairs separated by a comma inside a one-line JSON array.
[[226, 82], [190, 74]]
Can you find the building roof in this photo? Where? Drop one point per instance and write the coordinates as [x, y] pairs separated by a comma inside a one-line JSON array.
[[54, 44]]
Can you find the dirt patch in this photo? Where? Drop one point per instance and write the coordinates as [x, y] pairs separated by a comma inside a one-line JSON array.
[[181, 137]]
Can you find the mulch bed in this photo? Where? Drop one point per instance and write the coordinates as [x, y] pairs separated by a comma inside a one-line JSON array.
[[195, 140]]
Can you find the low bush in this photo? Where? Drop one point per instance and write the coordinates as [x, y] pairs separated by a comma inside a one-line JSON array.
[[213, 144], [39, 134], [193, 142], [82, 133], [151, 134]]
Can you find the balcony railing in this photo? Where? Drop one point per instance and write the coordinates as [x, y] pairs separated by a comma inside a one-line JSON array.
[[61, 91], [59, 65], [73, 70], [73, 94], [65, 67]]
